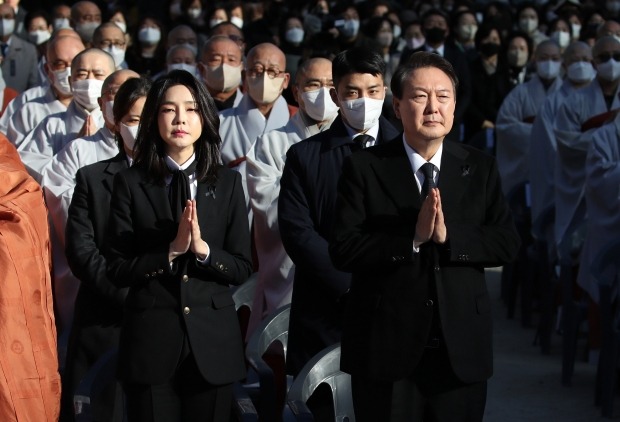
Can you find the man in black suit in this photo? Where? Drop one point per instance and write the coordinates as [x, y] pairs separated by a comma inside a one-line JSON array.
[[308, 197], [436, 31], [417, 330]]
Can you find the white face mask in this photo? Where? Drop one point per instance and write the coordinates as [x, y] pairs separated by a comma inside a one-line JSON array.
[[580, 72], [362, 113], [60, 80], [561, 37], [60, 23], [318, 104], [548, 69], [397, 31], [350, 28], [294, 35], [7, 26], [149, 35], [467, 32], [222, 78], [415, 43], [236, 20], [191, 68], [118, 54], [39, 36], [609, 71], [129, 134], [385, 39], [122, 26], [86, 30], [108, 112], [86, 92], [265, 90], [575, 30], [214, 22], [528, 25], [194, 12]]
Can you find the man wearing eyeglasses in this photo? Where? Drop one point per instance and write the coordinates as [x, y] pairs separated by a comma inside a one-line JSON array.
[[231, 31], [583, 112], [261, 110], [110, 38]]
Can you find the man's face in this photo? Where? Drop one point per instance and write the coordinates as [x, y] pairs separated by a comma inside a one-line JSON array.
[[182, 55], [269, 60], [548, 52], [111, 36], [184, 36], [88, 12], [426, 108], [220, 52], [318, 75], [358, 85], [607, 52], [92, 66], [61, 55]]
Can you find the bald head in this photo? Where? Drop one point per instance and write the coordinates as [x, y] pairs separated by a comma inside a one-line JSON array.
[[65, 47], [84, 11], [312, 76], [182, 34], [314, 67], [108, 31], [65, 32], [547, 50], [578, 51], [92, 63], [609, 28], [605, 44], [112, 83], [267, 55]]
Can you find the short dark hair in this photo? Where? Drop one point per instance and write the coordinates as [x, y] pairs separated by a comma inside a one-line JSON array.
[[128, 93], [357, 60], [420, 60], [150, 152]]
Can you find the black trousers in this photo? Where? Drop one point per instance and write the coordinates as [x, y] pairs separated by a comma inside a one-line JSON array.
[[432, 393], [187, 397]]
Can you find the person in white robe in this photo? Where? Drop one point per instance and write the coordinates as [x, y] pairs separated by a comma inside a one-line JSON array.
[[543, 149], [60, 52], [518, 112], [58, 181], [220, 66], [265, 163], [82, 118], [602, 194], [583, 112]]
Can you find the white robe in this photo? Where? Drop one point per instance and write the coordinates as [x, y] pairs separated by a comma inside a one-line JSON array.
[[543, 150], [51, 135], [58, 184], [602, 201], [26, 118], [265, 163], [570, 165], [17, 102], [513, 129]]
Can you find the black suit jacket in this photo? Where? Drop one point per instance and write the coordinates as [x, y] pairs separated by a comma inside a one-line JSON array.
[[166, 303], [306, 216], [394, 292], [458, 60]]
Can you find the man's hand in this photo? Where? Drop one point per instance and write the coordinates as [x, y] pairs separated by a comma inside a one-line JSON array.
[[426, 220], [440, 233], [182, 241], [88, 128]]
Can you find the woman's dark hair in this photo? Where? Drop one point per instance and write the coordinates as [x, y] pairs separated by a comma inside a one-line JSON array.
[[553, 23], [484, 31], [128, 93], [420, 60], [372, 27], [357, 60], [150, 148], [40, 13], [519, 34]]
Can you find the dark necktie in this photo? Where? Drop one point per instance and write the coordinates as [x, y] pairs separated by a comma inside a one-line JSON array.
[[5, 49], [363, 140], [429, 181], [180, 191]]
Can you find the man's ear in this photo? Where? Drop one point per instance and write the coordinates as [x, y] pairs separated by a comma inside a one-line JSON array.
[[334, 95], [396, 106]]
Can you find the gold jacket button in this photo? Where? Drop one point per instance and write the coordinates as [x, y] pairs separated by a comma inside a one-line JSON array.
[[186, 310]]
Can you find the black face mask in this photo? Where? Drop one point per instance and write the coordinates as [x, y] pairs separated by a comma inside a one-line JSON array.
[[435, 35], [489, 49]]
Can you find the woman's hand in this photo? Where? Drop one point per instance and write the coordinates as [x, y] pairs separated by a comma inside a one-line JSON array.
[[198, 246], [182, 241]]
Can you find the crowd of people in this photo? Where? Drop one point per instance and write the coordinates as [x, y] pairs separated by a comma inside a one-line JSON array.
[[182, 145]]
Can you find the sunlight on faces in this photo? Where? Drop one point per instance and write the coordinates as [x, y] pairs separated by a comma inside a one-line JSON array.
[[358, 85], [92, 65], [179, 121], [317, 76], [221, 51], [426, 108], [132, 118]]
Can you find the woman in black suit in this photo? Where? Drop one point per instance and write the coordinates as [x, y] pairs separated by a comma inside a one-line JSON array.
[[179, 238]]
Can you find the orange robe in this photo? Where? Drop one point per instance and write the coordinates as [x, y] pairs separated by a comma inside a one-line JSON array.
[[29, 378]]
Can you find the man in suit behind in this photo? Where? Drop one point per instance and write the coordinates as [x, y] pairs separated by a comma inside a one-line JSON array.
[[436, 31], [18, 57], [417, 329], [308, 197]]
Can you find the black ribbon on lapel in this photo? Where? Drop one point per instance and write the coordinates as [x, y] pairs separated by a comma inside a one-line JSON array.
[[180, 191]]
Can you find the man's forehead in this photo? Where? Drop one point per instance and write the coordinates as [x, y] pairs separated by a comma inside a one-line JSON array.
[[224, 47], [266, 57]]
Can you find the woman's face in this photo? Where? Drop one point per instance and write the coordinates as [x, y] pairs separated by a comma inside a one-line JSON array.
[[561, 26], [179, 120], [132, 117], [149, 23], [492, 37]]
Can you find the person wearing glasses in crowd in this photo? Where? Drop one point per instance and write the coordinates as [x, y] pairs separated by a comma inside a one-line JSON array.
[[178, 238], [265, 162], [111, 39], [230, 30], [261, 110], [85, 18], [220, 66]]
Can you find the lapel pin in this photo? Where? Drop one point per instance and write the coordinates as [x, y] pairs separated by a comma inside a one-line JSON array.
[[465, 170], [211, 191]]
